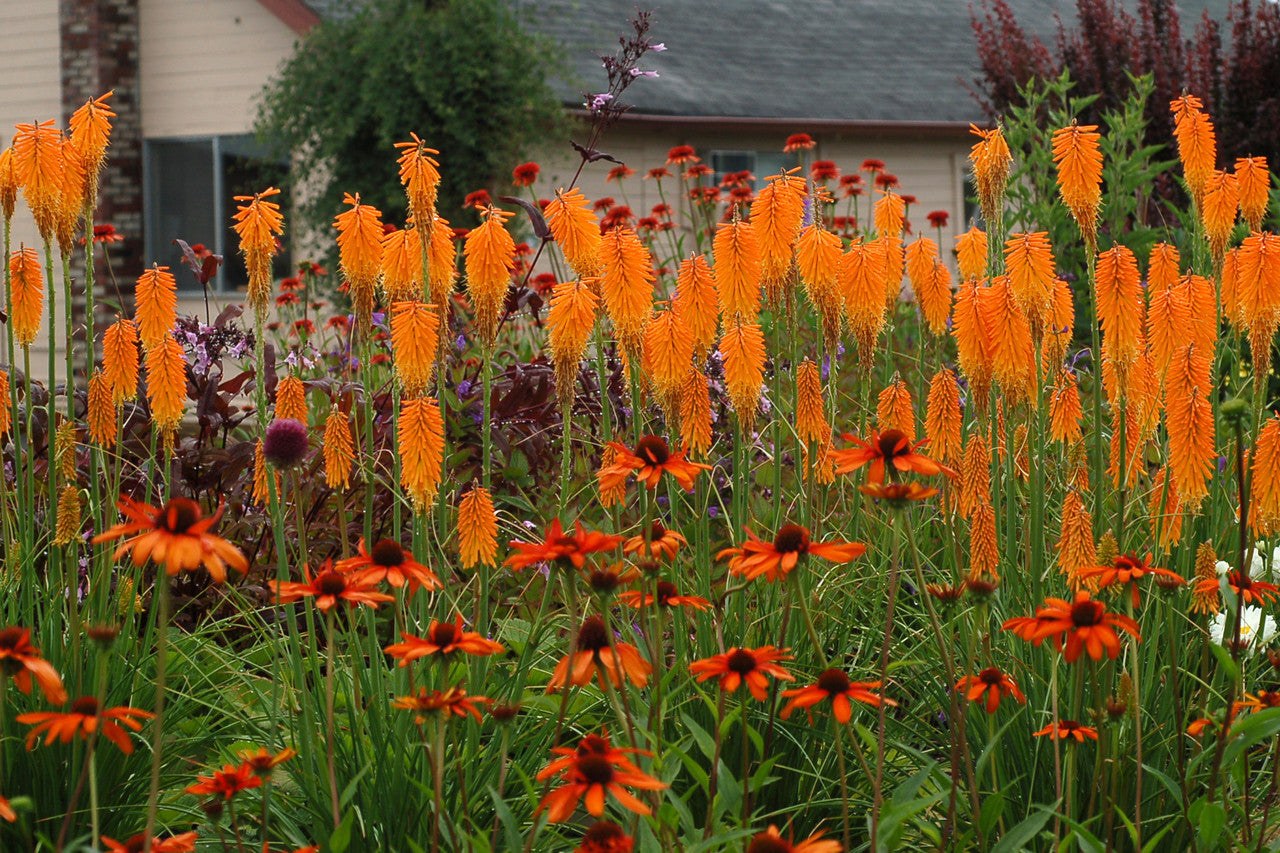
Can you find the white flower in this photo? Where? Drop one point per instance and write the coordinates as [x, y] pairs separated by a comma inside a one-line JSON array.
[[1252, 632]]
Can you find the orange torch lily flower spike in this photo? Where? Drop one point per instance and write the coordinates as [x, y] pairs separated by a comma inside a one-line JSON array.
[[175, 536], [590, 771], [890, 452], [776, 559]]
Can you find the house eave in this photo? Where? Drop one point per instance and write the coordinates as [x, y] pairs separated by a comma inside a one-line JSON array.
[[293, 13], [932, 129]]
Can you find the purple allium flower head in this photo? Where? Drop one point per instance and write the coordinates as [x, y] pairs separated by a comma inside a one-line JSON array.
[[286, 443]]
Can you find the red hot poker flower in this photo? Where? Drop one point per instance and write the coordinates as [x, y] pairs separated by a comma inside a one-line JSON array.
[[749, 666], [888, 452], [776, 559]]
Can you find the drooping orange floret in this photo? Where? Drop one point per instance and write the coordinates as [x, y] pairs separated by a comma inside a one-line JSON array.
[[975, 474], [935, 298], [668, 353], [1231, 307], [1029, 260], [1196, 145], [155, 302], [697, 302], [1166, 510], [1077, 155], [890, 215], [862, 277], [420, 442], [1164, 270], [257, 224], [402, 265], [477, 528], [920, 256], [26, 294], [1189, 417], [1064, 409], [943, 417], [291, 400], [1201, 299], [1076, 549], [1059, 328], [1006, 327], [491, 257], [360, 254], [261, 486], [742, 349], [339, 450], [6, 410], [894, 410], [1265, 487], [984, 546], [971, 253], [415, 331], [973, 347], [101, 413], [1253, 179], [818, 256], [1218, 210], [1258, 286], [695, 414], [90, 127], [570, 322], [776, 215], [811, 417], [442, 267], [627, 285], [120, 359], [737, 253], [991, 160], [166, 383], [1168, 319], [576, 230], [1119, 301], [69, 207], [38, 162], [9, 184], [420, 174]]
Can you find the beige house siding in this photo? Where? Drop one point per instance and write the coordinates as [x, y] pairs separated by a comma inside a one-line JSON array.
[[203, 63]]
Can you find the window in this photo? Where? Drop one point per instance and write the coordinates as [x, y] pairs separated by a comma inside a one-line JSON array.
[[189, 192], [762, 164]]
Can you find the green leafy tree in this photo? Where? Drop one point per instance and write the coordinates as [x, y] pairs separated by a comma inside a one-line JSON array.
[[464, 75]]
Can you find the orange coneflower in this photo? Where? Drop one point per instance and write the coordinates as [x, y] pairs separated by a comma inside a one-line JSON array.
[[1189, 418], [477, 528], [101, 413], [120, 360], [1248, 590], [776, 559], [695, 413], [897, 494], [257, 224], [592, 770], [668, 354], [401, 268], [971, 253], [992, 684], [835, 685], [291, 400], [1266, 478], [1076, 549], [660, 544], [1218, 211], [890, 452], [452, 701], [627, 285], [697, 302], [1129, 569], [776, 214], [740, 665], [737, 254], [576, 230], [156, 305], [175, 536], [596, 656], [1253, 179], [1086, 626], [770, 841], [651, 458], [562, 548], [443, 638], [339, 450], [605, 836], [991, 160], [20, 661], [227, 782], [490, 253], [1196, 145], [1065, 412], [665, 595], [262, 761], [388, 561], [38, 162], [184, 843], [1029, 260], [1064, 729], [420, 174], [1077, 155], [934, 297], [415, 343], [811, 418], [571, 319], [973, 347], [420, 440], [26, 294], [328, 587], [743, 354], [360, 254], [166, 384], [84, 718], [90, 127]]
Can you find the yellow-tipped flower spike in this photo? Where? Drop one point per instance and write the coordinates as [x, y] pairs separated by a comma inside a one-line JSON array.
[[570, 322], [984, 546], [811, 415], [339, 450], [742, 350], [420, 443], [1029, 260], [776, 214], [70, 508], [120, 360], [697, 302], [1065, 411], [1164, 268], [862, 277], [971, 253], [1208, 601], [895, 410], [1218, 210], [1253, 179], [1189, 417], [360, 254], [1076, 548], [819, 254], [415, 332], [91, 134], [9, 183], [737, 253], [167, 384], [695, 414], [627, 285], [1266, 479], [890, 215], [477, 528], [668, 354], [155, 303], [943, 418], [261, 485], [257, 224], [1168, 523], [420, 174], [102, 411], [37, 150], [26, 293], [991, 160], [291, 400], [443, 266], [575, 230], [1197, 147], [490, 252], [1119, 301], [1078, 156], [6, 410], [975, 474]]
